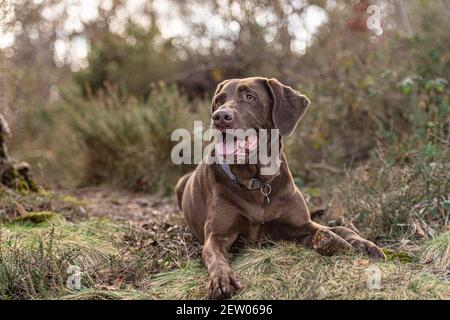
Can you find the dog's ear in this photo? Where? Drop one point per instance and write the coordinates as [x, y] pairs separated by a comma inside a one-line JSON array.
[[288, 106], [218, 89]]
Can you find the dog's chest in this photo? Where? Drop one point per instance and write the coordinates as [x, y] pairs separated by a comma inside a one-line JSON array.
[[253, 231], [258, 217]]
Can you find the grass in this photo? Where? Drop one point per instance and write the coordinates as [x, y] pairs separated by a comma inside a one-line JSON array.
[[162, 262], [36, 218], [35, 254], [399, 202], [12, 204], [37, 248], [288, 271], [437, 252]]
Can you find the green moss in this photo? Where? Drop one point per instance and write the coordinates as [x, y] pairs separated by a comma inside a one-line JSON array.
[[40, 217], [13, 179], [72, 201], [399, 256], [34, 187]]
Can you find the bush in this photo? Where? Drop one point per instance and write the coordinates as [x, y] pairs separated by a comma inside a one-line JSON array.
[[368, 93], [127, 141], [130, 62], [388, 202]]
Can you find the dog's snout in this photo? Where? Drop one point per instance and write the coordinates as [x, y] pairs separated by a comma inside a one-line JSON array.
[[222, 118]]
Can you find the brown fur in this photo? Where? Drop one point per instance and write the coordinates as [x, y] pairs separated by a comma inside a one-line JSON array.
[[218, 211]]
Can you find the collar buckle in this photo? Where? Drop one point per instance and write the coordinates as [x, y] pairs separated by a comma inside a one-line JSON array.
[[255, 184], [252, 184]]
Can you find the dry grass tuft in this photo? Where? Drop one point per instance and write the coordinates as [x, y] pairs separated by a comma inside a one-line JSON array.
[[288, 271]]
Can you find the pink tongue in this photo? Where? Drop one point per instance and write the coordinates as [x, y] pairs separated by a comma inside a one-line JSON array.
[[238, 147], [226, 148]]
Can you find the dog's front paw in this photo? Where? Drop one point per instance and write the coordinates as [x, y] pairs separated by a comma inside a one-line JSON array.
[[369, 248], [223, 284]]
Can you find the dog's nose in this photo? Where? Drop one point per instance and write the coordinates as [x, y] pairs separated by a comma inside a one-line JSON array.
[[222, 118]]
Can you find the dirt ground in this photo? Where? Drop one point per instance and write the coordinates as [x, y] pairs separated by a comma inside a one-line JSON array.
[[138, 209]]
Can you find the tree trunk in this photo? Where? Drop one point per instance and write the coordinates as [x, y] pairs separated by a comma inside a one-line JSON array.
[[14, 175]]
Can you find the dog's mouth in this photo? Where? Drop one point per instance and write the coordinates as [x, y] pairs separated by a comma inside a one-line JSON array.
[[231, 145]]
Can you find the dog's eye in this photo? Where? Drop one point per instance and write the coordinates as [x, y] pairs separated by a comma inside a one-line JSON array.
[[250, 97], [219, 102]]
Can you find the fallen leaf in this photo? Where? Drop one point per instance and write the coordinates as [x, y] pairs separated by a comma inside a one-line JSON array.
[[419, 232], [363, 262]]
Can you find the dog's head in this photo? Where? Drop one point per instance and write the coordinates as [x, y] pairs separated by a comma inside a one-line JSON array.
[[257, 103]]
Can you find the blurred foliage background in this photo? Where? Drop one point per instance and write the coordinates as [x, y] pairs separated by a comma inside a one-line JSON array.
[[93, 89]]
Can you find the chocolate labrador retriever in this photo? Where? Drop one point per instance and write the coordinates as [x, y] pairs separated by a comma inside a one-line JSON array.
[[222, 203]]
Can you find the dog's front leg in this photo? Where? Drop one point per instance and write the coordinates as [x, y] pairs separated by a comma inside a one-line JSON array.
[[222, 280], [363, 245], [307, 232]]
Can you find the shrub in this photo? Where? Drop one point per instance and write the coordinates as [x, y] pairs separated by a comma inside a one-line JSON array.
[[399, 202], [127, 141]]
